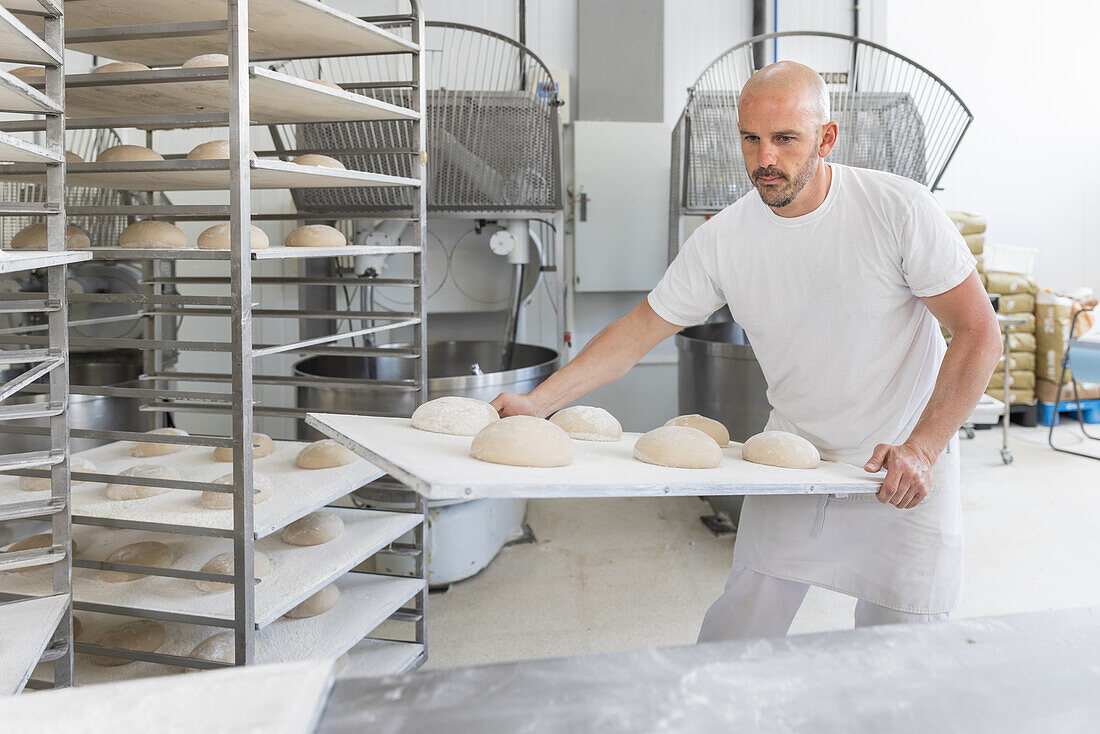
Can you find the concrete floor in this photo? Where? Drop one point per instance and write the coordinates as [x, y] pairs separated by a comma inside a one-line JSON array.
[[620, 574]]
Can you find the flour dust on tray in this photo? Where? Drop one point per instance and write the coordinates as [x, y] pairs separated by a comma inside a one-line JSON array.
[[454, 415]]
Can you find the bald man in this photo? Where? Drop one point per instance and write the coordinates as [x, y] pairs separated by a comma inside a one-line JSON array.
[[838, 276]]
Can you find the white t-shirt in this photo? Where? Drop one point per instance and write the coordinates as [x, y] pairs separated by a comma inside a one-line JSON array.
[[830, 303]]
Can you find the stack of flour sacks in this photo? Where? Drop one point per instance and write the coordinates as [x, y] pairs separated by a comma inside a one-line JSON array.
[[686, 442]]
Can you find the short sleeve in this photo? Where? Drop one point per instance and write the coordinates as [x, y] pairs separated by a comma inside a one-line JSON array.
[[689, 292], [934, 256]]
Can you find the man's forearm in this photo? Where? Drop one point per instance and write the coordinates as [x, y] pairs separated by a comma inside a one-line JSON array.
[[964, 374], [606, 358]]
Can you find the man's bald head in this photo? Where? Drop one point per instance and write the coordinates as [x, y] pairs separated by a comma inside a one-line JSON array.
[[793, 82]]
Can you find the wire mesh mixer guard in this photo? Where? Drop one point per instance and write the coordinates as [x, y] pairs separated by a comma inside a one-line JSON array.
[[894, 115], [492, 128]]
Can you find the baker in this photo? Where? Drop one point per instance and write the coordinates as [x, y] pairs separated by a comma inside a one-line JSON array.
[[838, 276]]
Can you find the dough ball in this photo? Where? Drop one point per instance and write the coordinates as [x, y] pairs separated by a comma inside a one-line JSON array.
[[779, 448], [709, 426], [218, 648], [150, 234], [42, 484], [324, 454], [42, 540], [33, 237], [262, 446], [144, 449], [217, 238], [314, 529], [71, 157], [118, 66], [223, 563], [322, 82], [215, 150], [341, 663], [679, 446], [454, 415], [144, 553], [261, 486], [38, 74], [120, 491], [319, 603], [587, 423], [315, 235], [128, 153], [203, 60], [142, 635], [523, 440], [314, 159]]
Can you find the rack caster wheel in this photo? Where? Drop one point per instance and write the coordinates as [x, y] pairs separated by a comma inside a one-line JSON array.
[[968, 431], [1006, 456]]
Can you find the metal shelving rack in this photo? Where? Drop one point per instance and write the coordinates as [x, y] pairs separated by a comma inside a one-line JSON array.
[[251, 30], [39, 625]]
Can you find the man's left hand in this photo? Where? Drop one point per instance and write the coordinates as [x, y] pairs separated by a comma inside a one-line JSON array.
[[908, 474]]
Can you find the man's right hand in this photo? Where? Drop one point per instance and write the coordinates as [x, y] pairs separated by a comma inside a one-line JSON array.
[[510, 404]]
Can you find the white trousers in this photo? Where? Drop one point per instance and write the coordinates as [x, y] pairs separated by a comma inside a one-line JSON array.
[[757, 605]]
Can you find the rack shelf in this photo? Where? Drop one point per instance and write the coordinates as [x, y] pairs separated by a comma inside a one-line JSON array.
[[279, 29], [295, 491], [26, 629], [185, 175], [16, 261], [296, 572], [372, 658], [271, 253], [18, 96], [20, 44], [18, 150]]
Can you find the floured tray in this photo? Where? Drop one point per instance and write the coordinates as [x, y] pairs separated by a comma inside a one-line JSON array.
[[295, 492], [439, 466]]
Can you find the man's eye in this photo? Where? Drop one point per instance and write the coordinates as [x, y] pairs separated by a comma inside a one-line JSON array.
[[750, 138], [785, 138]]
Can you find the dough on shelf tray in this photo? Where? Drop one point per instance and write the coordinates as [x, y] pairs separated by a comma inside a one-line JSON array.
[[149, 234], [122, 491], [223, 563], [217, 238], [588, 423], [33, 237], [127, 153], [779, 448], [142, 635], [682, 447], [144, 449], [324, 454], [42, 484], [709, 426], [262, 446], [319, 603], [143, 553], [315, 235], [314, 529], [523, 440], [454, 415]]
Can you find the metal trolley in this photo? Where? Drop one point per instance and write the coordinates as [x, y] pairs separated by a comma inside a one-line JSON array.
[[38, 628], [1082, 359], [223, 379]]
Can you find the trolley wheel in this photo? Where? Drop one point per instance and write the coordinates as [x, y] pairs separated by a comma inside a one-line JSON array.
[[969, 431], [1006, 456]]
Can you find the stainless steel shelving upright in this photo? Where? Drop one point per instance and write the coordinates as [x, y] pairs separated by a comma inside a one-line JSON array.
[[276, 29], [41, 619]]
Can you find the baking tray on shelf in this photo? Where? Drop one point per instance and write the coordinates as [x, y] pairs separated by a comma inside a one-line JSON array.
[[17, 150], [270, 253], [20, 44], [18, 96], [14, 261], [26, 627], [439, 466], [206, 175]]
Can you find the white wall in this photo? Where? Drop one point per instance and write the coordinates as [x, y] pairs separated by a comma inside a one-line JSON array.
[[1029, 160]]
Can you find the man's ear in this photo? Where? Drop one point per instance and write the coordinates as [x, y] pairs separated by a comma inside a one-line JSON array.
[[829, 132]]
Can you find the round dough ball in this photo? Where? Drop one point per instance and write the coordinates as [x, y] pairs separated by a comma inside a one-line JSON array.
[[142, 635], [319, 603], [709, 426], [523, 440], [454, 415], [120, 491], [120, 66], [128, 153], [262, 446], [315, 235], [150, 234], [223, 563], [324, 454], [314, 529], [679, 446], [33, 237], [36, 73], [144, 553], [217, 238], [42, 540], [71, 157], [322, 82], [42, 484], [215, 150], [203, 60], [218, 648], [315, 159], [779, 448], [588, 423], [261, 487], [145, 449]]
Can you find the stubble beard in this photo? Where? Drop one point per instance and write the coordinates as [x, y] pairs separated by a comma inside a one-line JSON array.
[[781, 197]]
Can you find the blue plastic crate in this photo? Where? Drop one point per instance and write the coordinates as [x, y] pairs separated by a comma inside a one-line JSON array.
[[1089, 408]]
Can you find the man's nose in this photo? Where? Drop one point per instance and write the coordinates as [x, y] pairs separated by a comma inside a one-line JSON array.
[[767, 156]]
